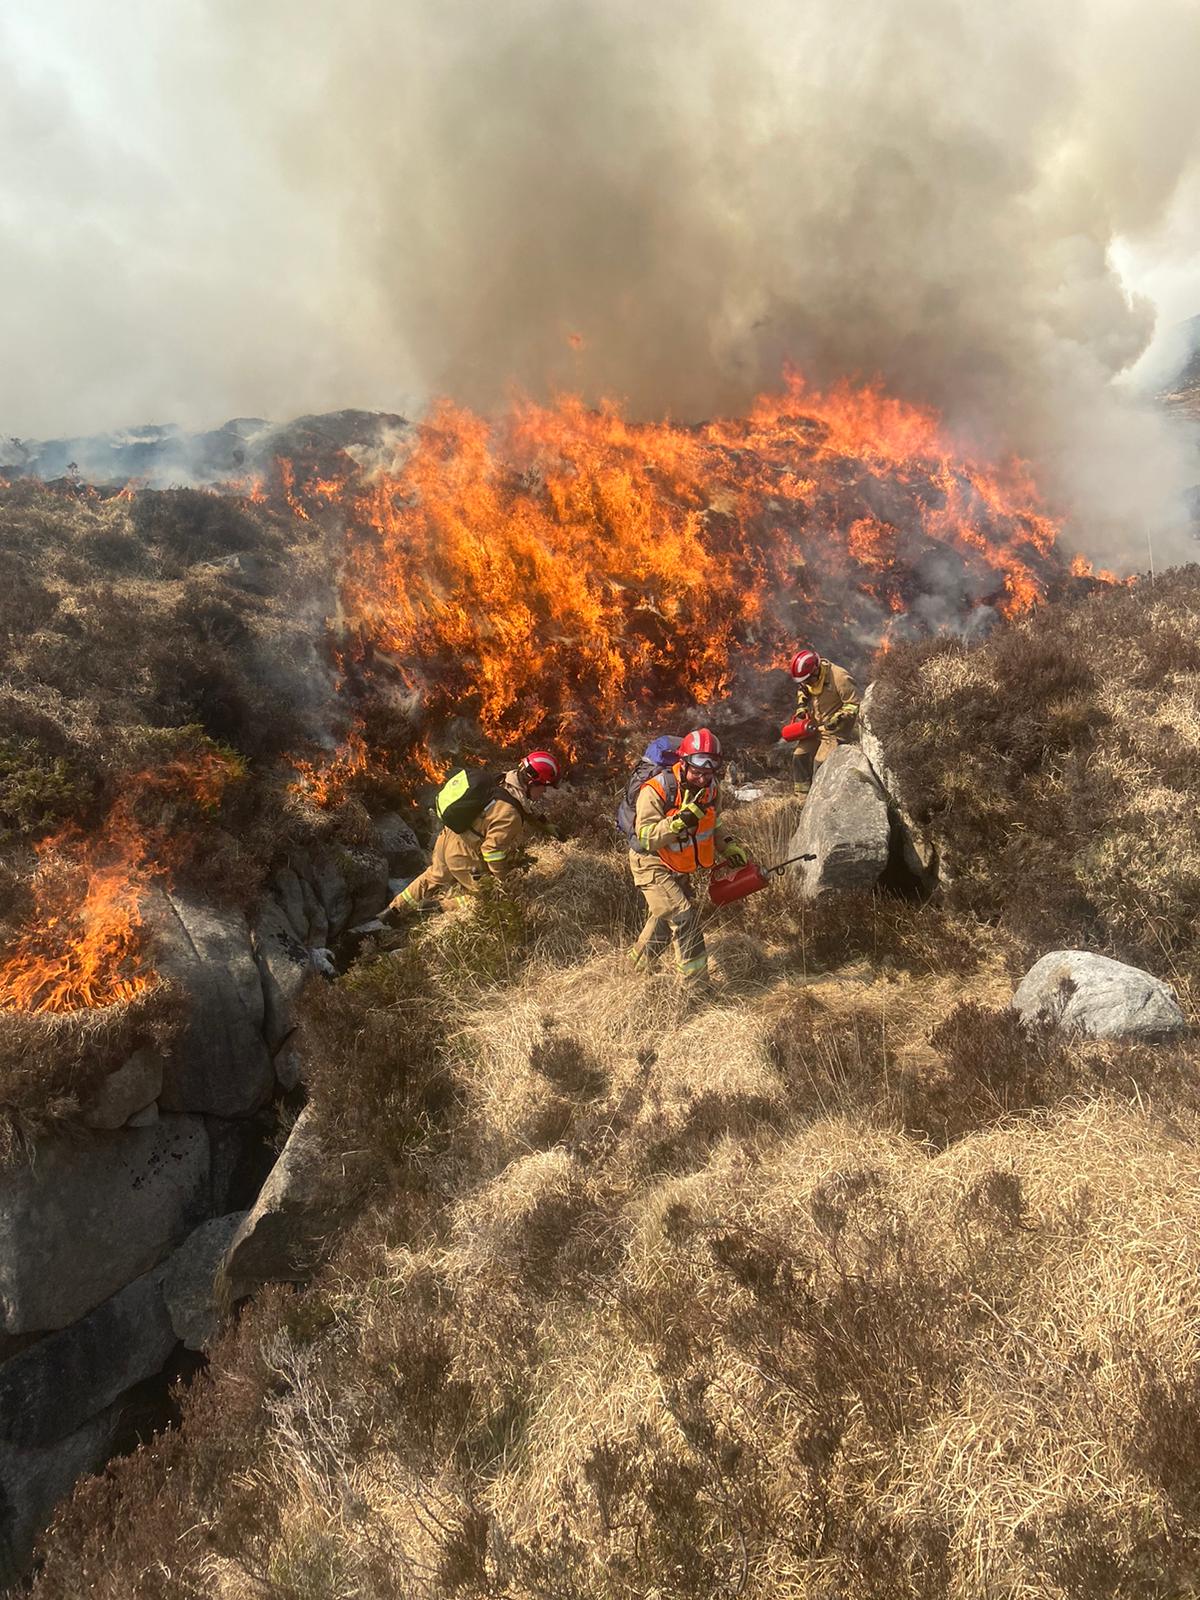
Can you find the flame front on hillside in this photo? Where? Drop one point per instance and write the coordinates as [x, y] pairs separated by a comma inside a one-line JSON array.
[[565, 566]]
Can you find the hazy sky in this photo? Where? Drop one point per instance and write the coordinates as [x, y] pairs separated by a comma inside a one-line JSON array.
[[237, 207]]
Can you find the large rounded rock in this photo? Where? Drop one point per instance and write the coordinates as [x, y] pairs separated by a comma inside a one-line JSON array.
[[1091, 994], [86, 1219], [844, 824], [189, 1279], [917, 848], [220, 1064]]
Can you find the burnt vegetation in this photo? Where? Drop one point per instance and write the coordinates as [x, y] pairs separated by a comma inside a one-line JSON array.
[[838, 1282]]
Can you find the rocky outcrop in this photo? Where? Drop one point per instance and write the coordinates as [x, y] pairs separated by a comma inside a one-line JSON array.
[[220, 1064], [286, 1232], [86, 1219], [844, 824], [284, 966], [111, 1246], [1081, 992], [51, 1389], [189, 1280], [914, 842]]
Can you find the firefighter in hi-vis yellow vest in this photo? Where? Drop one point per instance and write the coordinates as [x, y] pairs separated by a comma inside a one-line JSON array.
[[487, 845], [826, 715], [677, 830]]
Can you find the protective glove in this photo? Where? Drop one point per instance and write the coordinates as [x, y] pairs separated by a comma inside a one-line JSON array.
[[553, 830], [802, 728], [688, 817], [736, 855], [842, 717]]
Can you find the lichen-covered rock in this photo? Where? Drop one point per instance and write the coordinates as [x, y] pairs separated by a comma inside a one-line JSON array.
[[136, 1084], [50, 1389], [220, 1064], [1081, 992], [189, 1278], [844, 824], [86, 1219]]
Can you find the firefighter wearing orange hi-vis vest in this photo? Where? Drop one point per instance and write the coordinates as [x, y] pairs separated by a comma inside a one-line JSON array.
[[677, 830], [826, 715]]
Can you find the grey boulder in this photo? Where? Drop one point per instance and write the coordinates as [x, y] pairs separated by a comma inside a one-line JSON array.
[[136, 1084], [284, 1235], [284, 967], [844, 824], [220, 1063], [53, 1387], [916, 843], [88, 1218], [1081, 992], [189, 1279], [396, 839]]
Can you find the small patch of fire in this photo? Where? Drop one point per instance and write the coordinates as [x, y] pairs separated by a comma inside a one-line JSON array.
[[83, 944]]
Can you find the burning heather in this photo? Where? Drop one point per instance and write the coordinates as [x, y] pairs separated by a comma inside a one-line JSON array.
[[567, 570], [83, 944]]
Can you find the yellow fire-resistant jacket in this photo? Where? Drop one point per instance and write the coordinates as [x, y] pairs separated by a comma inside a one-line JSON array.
[[831, 691], [652, 829], [497, 836]]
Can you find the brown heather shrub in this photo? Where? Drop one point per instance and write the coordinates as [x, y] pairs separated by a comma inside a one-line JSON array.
[[1057, 766], [51, 1063]]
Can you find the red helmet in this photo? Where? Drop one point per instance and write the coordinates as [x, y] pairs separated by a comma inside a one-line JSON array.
[[540, 767], [805, 665], [701, 750]]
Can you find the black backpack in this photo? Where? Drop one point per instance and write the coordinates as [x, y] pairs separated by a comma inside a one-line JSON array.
[[464, 797]]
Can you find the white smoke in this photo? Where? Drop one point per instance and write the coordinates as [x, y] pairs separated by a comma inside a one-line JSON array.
[[220, 208]]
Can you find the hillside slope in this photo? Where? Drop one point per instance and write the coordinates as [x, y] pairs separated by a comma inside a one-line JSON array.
[[834, 1283]]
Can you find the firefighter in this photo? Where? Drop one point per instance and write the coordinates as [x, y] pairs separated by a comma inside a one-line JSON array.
[[826, 715], [492, 847], [678, 830]]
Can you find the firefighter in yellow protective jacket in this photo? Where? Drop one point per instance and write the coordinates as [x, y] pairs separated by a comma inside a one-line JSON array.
[[491, 848], [826, 715], [677, 831]]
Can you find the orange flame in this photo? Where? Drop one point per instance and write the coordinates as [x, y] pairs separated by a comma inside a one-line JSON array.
[[566, 564], [84, 944]]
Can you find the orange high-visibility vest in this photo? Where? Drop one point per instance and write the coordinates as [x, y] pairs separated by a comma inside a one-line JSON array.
[[692, 850]]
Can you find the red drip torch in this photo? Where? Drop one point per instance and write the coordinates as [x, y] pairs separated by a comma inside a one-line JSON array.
[[736, 883]]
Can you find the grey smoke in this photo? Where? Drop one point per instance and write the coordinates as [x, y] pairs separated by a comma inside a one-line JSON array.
[[285, 206]]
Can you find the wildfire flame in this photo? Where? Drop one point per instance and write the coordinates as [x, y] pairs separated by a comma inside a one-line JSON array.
[[84, 942], [566, 564]]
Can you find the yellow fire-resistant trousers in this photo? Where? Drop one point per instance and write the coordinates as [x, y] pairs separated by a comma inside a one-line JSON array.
[[454, 865], [672, 917], [808, 755]]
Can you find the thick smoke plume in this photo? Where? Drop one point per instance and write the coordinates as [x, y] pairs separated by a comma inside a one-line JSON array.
[[263, 209]]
